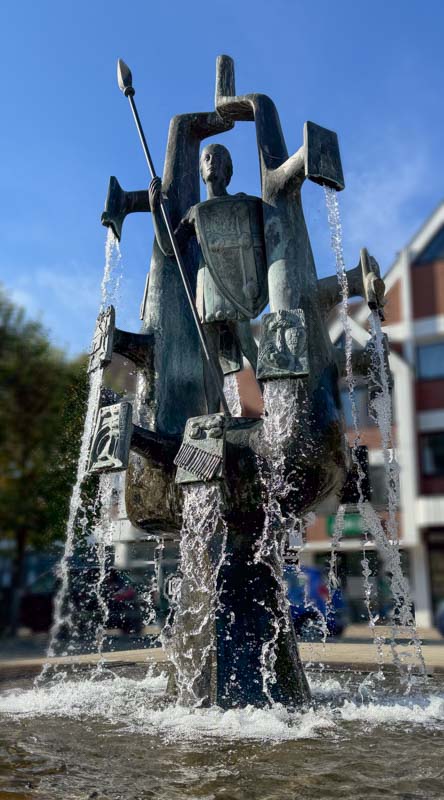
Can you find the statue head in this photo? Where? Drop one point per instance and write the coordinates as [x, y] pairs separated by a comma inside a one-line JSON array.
[[216, 164]]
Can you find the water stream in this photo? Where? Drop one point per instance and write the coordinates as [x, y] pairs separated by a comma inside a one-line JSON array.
[[282, 405], [63, 614], [387, 541], [189, 636], [103, 535]]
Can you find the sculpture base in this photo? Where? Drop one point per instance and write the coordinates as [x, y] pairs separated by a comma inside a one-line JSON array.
[[252, 629], [231, 641]]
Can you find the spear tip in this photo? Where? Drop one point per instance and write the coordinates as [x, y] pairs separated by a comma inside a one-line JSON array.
[[124, 78]]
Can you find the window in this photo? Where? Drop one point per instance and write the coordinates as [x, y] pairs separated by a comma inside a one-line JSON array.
[[378, 484], [430, 360], [433, 251], [361, 400], [432, 453]]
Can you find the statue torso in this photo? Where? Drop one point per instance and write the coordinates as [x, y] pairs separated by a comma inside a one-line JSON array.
[[232, 277]]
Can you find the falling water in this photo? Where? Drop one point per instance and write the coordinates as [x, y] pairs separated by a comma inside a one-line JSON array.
[[231, 392], [388, 541], [103, 534], [281, 410], [334, 221], [103, 530], [189, 635], [112, 273], [332, 578], [316, 623], [63, 612], [61, 616], [388, 545], [333, 582]]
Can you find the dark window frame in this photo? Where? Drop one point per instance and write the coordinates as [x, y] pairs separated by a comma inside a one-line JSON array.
[[422, 437], [362, 402], [433, 250], [420, 377]]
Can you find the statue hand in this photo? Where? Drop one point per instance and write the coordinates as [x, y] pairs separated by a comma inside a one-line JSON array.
[[154, 191]]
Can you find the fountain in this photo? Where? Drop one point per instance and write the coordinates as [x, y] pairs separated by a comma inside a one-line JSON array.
[[231, 482], [234, 714]]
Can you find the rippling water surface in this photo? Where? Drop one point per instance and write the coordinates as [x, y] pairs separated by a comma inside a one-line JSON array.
[[118, 738]]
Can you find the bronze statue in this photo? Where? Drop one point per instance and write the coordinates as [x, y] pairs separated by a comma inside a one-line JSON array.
[[238, 252], [232, 276]]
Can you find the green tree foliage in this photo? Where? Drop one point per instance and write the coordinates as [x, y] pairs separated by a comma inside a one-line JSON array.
[[42, 405]]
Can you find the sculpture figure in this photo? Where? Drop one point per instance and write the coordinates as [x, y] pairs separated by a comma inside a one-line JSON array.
[[232, 276], [239, 252]]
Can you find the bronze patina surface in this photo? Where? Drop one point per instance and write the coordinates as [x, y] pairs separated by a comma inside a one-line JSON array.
[[239, 252]]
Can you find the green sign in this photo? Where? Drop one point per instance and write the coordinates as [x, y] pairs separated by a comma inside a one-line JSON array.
[[352, 525]]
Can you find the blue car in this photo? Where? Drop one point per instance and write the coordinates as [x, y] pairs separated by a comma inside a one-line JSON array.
[[439, 617], [309, 607]]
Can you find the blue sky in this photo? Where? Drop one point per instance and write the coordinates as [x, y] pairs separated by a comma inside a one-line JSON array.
[[371, 71]]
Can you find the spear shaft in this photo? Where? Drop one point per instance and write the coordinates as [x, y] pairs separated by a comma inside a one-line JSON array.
[[125, 84]]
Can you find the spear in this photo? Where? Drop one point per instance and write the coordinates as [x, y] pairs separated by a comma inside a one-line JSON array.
[[125, 80]]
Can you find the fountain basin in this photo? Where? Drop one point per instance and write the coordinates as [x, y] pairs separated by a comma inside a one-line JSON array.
[[118, 737]]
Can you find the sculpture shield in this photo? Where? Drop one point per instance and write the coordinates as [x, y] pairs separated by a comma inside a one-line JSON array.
[[231, 236]]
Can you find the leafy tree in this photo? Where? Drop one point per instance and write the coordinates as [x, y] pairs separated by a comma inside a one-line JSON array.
[[42, 405]]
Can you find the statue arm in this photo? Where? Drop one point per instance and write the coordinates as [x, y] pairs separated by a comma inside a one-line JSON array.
[[291, 171], [371, 287], [253, 107], [277, 169], [160, 232], [330, 290], [184, 230]]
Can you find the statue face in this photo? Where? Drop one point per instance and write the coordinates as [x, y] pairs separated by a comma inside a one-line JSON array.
[[215, 164]]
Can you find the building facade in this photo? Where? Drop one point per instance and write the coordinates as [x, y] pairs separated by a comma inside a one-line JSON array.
[[414, 323]]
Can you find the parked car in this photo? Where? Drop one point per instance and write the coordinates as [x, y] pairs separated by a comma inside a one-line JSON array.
[[439, 617], [308, 596], [36, 603], [119, 593]]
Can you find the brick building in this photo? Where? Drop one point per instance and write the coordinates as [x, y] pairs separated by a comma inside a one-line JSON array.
[[415, 326]]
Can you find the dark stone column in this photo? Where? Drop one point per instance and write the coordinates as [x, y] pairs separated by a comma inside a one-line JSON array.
[[252, 605]]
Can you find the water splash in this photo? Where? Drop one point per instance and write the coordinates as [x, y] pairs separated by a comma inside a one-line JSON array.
[[140, 706], [189, 636]]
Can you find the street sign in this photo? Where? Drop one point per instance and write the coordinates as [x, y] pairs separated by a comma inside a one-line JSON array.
[[352, 525]]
